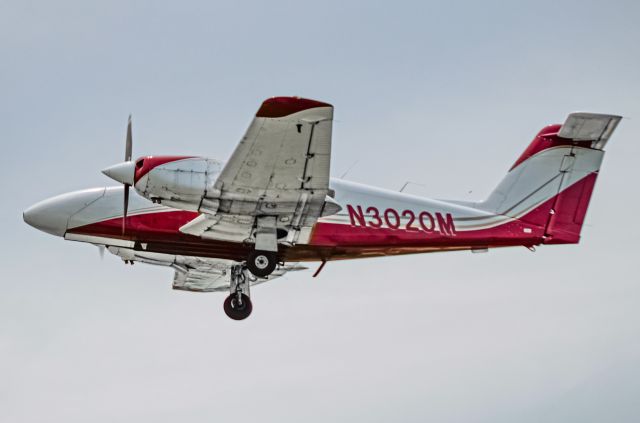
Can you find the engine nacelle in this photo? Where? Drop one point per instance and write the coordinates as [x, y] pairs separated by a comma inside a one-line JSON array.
[[177, 181]]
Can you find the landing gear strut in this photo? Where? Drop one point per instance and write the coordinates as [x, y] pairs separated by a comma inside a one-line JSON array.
[[238, 304]]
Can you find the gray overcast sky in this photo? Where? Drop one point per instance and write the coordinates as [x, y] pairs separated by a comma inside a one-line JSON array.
[[446, 94]]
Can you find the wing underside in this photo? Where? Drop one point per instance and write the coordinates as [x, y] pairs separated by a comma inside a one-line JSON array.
[[196, 274]]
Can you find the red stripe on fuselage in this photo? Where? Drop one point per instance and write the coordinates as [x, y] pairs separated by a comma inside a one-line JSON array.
[[510, 233], [160, 232]]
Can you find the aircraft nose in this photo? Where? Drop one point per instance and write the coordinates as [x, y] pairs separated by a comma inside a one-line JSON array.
[[45, 218], [52, 215]]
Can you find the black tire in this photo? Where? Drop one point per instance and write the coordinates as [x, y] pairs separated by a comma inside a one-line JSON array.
[[235, 311], [262, 263]]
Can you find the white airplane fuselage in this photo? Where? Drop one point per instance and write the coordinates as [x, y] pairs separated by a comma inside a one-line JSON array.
[[228, 226], [372, 222]]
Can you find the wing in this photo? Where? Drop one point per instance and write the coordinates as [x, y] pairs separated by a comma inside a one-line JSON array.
[[286, 150], [279, 168], [196, 274]]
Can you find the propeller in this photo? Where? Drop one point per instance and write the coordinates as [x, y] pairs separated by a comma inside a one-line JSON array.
[[127, 158], [101, 249], [124, 173]]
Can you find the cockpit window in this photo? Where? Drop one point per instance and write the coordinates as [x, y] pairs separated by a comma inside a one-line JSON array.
[[140, 163]]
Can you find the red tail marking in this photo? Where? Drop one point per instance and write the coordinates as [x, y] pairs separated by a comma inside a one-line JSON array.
[[570, 209], [546, 138]]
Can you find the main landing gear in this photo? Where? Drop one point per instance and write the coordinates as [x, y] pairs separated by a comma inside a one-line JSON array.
[[238, 304], [262, 263]]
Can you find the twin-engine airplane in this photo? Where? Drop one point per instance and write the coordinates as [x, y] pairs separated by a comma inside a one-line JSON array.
[[229, 226]]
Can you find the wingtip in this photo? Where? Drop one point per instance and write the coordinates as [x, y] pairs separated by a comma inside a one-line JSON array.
[[276, 107]]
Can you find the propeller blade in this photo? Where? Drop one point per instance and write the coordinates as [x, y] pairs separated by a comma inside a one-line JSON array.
[[101, 249], [129, 144], [126, 207], [127, 158]]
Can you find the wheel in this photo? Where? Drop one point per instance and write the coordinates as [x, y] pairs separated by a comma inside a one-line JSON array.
[[238, 311], [262, 263]]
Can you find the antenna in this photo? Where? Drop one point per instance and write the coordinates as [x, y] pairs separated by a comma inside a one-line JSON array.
[[349, 170], [410, 182]]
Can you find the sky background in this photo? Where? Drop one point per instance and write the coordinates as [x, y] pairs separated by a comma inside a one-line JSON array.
[[446, 94]]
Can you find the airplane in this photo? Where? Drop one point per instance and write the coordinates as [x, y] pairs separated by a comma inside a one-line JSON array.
[[273, 205]]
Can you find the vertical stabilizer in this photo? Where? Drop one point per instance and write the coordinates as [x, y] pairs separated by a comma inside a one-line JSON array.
[[551, 183]]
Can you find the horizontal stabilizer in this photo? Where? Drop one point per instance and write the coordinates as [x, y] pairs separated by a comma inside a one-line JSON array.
[[589, 127]]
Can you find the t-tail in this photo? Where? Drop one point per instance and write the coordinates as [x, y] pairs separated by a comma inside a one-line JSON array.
[[551, 183]]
